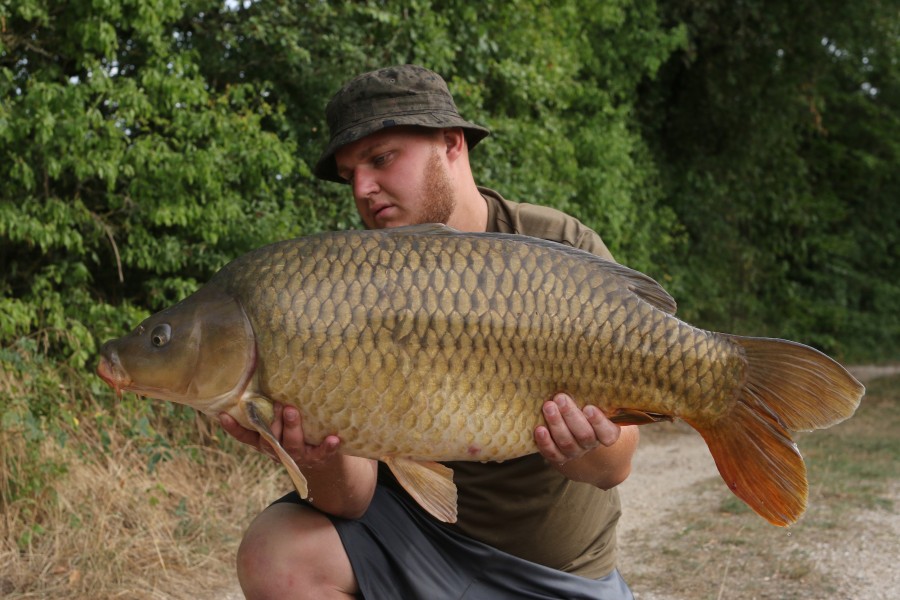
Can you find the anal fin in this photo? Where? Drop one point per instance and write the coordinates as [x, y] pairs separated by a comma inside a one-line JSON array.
[[633, 416], [429, 483]]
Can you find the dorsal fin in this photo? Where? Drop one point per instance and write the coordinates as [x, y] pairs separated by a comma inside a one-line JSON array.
[[638, 283], [644, 286]]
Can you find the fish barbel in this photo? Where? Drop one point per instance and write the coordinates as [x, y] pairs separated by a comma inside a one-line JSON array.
[[423, 344]]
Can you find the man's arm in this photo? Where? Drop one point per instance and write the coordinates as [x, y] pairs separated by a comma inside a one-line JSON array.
[[339, 485], [584, 445]]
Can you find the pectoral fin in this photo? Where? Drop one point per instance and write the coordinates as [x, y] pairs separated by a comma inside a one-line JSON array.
[[258, 411], [429, 483]]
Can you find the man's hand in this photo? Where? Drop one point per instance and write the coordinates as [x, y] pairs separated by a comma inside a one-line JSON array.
[[286, 428], [571, 432], [340, 485], [583, 444]]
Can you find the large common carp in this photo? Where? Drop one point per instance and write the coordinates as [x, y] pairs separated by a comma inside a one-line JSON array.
[[422, 344]]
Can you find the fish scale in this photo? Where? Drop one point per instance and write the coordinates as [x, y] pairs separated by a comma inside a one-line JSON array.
[[425, 344]]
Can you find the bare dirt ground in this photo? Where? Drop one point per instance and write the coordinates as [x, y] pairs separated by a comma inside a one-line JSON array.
[[674, 482]]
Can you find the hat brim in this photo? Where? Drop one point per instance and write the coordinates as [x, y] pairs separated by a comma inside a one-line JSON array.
[[326, 167]]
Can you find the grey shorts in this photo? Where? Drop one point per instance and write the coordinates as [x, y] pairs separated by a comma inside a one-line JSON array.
[[398, 552]]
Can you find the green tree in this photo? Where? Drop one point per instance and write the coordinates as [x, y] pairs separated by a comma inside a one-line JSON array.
[[555, 81], [776, 130], [124, 176], [144, 144]]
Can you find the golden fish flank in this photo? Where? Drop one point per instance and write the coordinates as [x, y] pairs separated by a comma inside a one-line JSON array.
[[423, 344]]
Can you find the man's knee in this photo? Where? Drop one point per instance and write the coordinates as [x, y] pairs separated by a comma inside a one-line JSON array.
[[293, 551]]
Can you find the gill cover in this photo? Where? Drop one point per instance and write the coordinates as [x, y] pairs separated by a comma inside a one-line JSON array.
[[200, 352]]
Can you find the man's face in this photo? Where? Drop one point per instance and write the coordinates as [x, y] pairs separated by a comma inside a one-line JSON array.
[[398, 177]]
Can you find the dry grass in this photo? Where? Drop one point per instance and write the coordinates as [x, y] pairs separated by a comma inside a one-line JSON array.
[[109, 528]]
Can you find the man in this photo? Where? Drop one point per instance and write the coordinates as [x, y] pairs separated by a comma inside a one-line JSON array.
[[541, 526]]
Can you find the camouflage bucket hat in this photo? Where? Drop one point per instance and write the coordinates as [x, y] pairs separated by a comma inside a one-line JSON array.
[[390, 97]]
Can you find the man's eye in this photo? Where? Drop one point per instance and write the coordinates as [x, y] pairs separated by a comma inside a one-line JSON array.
[[380, 159]]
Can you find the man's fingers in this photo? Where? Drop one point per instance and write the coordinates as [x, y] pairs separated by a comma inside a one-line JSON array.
[[287, 428], [562, 439], [605, 430], [569, 427], [577, 426], [246, 436], [235, 430], [547, 447], [292, 431], [324, 451], [276, 425], [571, 432]]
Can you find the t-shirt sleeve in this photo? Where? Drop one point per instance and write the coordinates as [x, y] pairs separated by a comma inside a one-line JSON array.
[[550, 224]]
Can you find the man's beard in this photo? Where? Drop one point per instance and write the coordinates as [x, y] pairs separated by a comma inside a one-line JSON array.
[[438, 202]]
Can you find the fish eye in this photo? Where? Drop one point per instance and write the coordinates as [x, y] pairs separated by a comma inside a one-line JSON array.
[[161, 335]]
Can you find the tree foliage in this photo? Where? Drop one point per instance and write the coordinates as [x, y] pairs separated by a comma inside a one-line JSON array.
[[124, 178], [777, 132]]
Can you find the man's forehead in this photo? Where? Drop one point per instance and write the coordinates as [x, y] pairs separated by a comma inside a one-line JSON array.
[[364, 147]]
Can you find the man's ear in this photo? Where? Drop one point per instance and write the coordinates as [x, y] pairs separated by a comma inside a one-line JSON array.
[[455, 141]]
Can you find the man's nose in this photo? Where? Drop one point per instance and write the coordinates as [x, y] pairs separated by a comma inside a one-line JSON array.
[[364, 184]]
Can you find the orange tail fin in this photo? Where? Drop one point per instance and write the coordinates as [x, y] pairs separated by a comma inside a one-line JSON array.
[[789, 387]]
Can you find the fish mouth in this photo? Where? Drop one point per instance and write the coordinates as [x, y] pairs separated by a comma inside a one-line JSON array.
[[111, 372]]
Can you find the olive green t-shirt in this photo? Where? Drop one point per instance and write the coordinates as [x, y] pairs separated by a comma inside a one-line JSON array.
[[505, 216], [524, 506]]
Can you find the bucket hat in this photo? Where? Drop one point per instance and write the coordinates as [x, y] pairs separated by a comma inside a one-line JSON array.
[[389, 97]]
